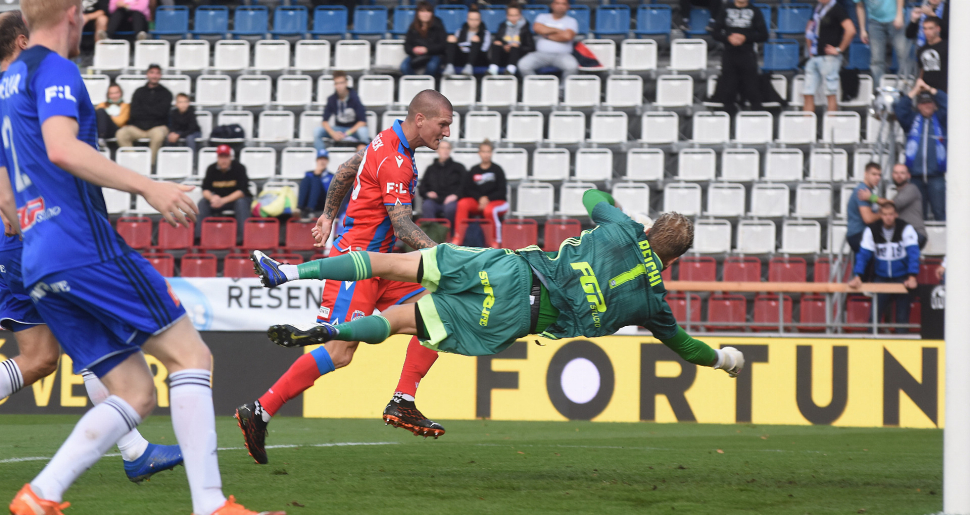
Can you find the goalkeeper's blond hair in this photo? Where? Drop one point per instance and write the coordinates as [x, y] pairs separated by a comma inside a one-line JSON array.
[[671, 236]]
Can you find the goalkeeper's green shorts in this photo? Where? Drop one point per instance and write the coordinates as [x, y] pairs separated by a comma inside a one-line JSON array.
[[479, 301]]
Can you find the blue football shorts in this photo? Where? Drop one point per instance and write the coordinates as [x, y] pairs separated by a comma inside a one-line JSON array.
[[17, 311]]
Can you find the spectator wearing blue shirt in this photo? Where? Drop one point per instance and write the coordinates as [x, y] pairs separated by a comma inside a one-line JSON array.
[[926, 144], [881, 22], [350, 116], [314, 186], [863, 206], [893, 245]]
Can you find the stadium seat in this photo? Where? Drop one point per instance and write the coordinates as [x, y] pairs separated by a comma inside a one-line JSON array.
[[781, 55], [683, 198], [864, 97], [492, 16], [253, 90], [725, 199], [821, 270], [594, 164], [207, 156], [567, 127], [163, 262], [218, 233], [296, 161], [756, 237], [550, 164], [499, 90], [697, 268], [828, 165], [534, 199], [518, 233], [813, 200], [787, 270], [811, 311], [608, 127], [325, 87], [136, 231], [351, 56], [177, 84], [653, 20], [858, 310], [261, 233], [467, 157], [204, 119], [237, 266], [605, 52], [111, 55], [175, 238], [612, 20], [712, 236], [740, 165], [688, 55], [404, 16], [860, 158], [711, 127], [836, 238], [389, 54], [138, 159], [116, 202], [340, 155], [250, 21], [633, 197], [369, 20], [624, 91], [151, 51], [213, 90], [329, 20], [659, 128], [174, 162], [571, 198], [523, 127], [482, 125], [936, 239], [696, 164], [531, 11], [311, 55], [198, 265], [766, 311], [294, 91], [411, 85], [540, 91], [678, 307], [276, 126], [290, 21], [210, 20], [291, 258], [515, 162], [792, 18], [697, 24], [784, 164], [260, 162], [927, 271], [638, 55], [581, 14], [675, 91], [726, 312], [841, 127], [769, 200], [298, 235], [97, 86], [453, 16], [459, 89], [242, 118], [797, 127], [129, 83], [860, 55], [753, 127], [744, 269], [645, 164], [271, 55], [557, 230], [231, 55]]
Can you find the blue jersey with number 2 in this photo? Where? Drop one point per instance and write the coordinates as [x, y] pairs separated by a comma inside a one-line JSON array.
[[63, 218], [6, 242]]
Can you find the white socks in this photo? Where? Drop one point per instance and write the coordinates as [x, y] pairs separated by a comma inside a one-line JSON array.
[[511, 69], [131, 445], [93, 435], [194, 420], [11, 380], [291, 272]]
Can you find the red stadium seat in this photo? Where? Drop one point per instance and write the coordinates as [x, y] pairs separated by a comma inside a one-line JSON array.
[[823, 268], [162, 261], [697, 268], [488, 229], [858, 309], [742, 269], [728, 311], [298, 235], [238, 265], [667, 274], [218, 233], [519, 232], [766, 312], [175, 238], [787, 270], [198, 265], [927, 271], [812, 309], [289, 259], [557, 230], [136, 230], [678, 305], [261, 233]]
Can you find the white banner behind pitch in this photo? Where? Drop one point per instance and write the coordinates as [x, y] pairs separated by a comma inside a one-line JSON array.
[[221, 304]]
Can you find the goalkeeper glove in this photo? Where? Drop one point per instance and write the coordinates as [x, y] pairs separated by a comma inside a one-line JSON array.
[[730, 360]]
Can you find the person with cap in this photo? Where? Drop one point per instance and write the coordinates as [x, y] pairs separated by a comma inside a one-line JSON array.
[[926, 143], [150, 106], [314, 186], [225, 187]]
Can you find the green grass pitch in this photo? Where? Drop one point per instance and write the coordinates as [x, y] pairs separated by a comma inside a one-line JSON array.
[[520, 467]]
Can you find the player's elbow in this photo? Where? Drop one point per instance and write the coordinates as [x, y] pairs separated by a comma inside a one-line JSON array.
[[58, 155]]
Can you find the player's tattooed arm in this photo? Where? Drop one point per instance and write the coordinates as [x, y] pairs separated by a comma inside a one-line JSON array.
[[341, 184], [405, 229]]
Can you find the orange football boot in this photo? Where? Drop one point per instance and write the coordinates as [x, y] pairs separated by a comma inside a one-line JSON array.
[[233, 508], [26, 502]]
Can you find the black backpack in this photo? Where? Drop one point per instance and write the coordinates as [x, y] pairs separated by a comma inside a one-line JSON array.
[[232, 131]]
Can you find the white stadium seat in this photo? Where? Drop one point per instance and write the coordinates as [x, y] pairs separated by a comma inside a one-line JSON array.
[[204, 119], [935, 239], [117, 202], [177, 84], [845, 193], [594, 164], [423, 157], [207, 156], [260, 162], [725, 199], [633, 197], [253, 90], [550, 164], [797, 127], [296, 161], [389, 54], [740, 164], [271, 55], [659, 127], [711, 127], [712, 236], [638, 55], [294, 90], [605, 52], [524, 127], [836, 238], [276, 126], [540, 91], [860, 159], [129, 83], [138, 159], [567, 127], [813, 200], [376, 90], [242, 118], [841, 127], [784, 164], [111, 54], [753, 127], [582, 91], [231, 55], [828, 165], [388, 118], [624, 91], [151, 51], [459, 89], [864, 97], [191, 55], [174, 162], [769, 200], [688, 55], [801, 237], [683, 198], [468, 157], [608, 127], [499, 90], [515, 162], [571, 198], [675, 91], [213, 90], [482, 125], [97, 86], [696, 164], [534, 199], [352, 55], [411, 85], [311, 55], [645, 164], [756, 237], [309, 121]]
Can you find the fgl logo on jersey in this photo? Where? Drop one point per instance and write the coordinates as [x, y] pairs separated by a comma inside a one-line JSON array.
[[35, 211], [53, 92]]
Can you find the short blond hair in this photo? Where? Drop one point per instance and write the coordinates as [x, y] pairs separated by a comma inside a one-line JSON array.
[[671, 236], [45, 13]]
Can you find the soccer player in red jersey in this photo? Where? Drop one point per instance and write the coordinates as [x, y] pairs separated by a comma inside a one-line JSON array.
[[383, 177]]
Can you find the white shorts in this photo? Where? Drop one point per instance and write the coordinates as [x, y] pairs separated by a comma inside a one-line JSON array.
[[819, 68]]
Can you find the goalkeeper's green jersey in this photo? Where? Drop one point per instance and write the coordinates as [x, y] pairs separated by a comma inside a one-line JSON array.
[[606, 279]]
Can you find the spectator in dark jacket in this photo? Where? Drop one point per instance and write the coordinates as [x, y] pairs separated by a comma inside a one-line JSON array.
[[441, 184], [348, 112], [225, 186], [182, 124], [926, 143], [468, 47], [314, 186], [930, 8], [424, 42], [513, 40], [149, 113], [933, 57], [893, 244], [483, 193], [739, 26]]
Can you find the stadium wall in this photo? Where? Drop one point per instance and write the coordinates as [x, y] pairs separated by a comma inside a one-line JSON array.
[[850, 382]]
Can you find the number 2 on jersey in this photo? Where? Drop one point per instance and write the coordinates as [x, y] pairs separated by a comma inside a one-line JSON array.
[[21, 180]]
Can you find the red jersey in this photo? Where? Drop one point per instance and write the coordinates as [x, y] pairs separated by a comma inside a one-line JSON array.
[[386, 176]]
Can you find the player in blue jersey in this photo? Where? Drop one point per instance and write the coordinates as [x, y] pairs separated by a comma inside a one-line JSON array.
[[39, 351], [103, 302]]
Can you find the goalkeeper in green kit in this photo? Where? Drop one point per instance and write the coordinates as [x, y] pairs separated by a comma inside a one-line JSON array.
[[483, 300]]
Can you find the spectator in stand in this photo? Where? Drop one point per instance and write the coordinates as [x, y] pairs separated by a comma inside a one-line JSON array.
[[483, 193], [350, 116], [714, 6], [828, 35], [131, 15], [933, 56], [149, 113], [909, 202], [863, 206], [930, 8], [113, 113], [926, 144], [468, 47], [424, 42], [892, 245], [182, 124], [314, 186], [881, 22], [441, 184], [225, 186], [554, 44], [96, 18], [739, 26], [513, 40]]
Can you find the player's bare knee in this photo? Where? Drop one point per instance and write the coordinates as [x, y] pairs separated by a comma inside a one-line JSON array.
[[143, 402]]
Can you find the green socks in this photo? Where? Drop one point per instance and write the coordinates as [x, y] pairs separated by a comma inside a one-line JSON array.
[[372, 329], [352, 266]]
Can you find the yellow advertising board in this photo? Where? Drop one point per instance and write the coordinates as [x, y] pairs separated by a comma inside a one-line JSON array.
[[842, 382]]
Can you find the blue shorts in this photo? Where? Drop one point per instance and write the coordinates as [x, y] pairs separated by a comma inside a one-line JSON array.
[[103, 313], [17, 311]]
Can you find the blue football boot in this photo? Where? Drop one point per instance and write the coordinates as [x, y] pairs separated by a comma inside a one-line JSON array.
[[267, 269], [155, 459]]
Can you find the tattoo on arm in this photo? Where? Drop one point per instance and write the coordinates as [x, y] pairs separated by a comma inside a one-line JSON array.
[[405, 229], [341, 183]]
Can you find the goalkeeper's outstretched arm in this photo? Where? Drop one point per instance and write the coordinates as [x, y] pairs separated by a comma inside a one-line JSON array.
[[697, 352]]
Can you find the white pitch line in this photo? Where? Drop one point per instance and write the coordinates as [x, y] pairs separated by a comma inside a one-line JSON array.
[[290, 446]]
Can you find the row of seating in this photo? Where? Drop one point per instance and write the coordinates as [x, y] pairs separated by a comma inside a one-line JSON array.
[[201, 264]]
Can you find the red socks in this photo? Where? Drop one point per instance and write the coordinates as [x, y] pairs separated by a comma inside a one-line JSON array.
[[416, 366], [298, 378]]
